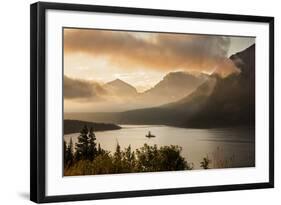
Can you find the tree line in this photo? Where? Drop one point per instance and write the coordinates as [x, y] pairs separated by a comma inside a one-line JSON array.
[[86, 157]]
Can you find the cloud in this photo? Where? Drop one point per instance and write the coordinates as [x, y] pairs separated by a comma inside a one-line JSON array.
[[81, 89], [152, 50]]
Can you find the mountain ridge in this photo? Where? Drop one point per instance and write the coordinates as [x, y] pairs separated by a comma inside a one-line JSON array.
[[172, 87], [218, 102]]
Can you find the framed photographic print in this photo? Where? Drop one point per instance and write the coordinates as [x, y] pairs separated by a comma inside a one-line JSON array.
[[129, 102]]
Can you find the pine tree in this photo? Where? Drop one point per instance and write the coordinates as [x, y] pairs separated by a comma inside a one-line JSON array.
[[117, 159], [70, 154], [99, 149], [92, 149], [117, 154], [82, 144], [70, 146], [129, 159], [64, 152]]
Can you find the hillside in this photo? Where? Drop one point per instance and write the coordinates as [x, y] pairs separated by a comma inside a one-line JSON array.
[[74, 126], [174, 86], [232, 102]]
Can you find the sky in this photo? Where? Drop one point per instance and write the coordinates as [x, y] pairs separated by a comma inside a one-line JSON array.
[[142, 59]]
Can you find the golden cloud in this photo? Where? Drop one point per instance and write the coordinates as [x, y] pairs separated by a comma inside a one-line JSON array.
[[159, 51], [80, 89]]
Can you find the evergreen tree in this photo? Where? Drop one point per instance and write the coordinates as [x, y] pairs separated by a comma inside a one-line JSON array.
[[92, 148], [99, 149], [64, 152], [117, 159], [82, 144], [129, 159], [69, 151], [70, 147]]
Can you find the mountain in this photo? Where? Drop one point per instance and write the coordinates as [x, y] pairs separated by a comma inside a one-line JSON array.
[[172, 87], [75, 126], [192, 102], [169, 114], [222, 102], [120, 88], [217, 102], [232, 102]]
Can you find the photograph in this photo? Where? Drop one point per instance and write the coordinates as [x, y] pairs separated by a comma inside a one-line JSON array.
[[137, 102], [146, 101]]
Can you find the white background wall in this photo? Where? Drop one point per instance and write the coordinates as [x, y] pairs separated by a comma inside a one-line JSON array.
[[14, 100]]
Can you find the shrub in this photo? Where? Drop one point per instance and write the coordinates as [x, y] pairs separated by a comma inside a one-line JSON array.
[[146, 159]]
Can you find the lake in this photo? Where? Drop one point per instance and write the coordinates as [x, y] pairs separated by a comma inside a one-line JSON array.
[[219, 144]]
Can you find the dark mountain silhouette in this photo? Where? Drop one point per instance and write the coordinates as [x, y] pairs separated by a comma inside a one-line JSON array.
[[218, 102], [232, 102], [75, 126]]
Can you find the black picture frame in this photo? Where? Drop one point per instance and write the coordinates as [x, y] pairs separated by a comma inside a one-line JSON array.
[[38, 101]]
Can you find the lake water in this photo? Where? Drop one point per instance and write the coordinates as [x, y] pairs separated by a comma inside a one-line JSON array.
[[222, 144]]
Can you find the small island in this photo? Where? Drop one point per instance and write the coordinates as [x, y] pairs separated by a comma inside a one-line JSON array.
[[75, 126]]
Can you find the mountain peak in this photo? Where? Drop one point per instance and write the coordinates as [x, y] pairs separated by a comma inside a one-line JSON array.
[[173, 86], [117, 80], [121, 87], [177, 74], [185, 75], [180, 76], [245, 60]]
